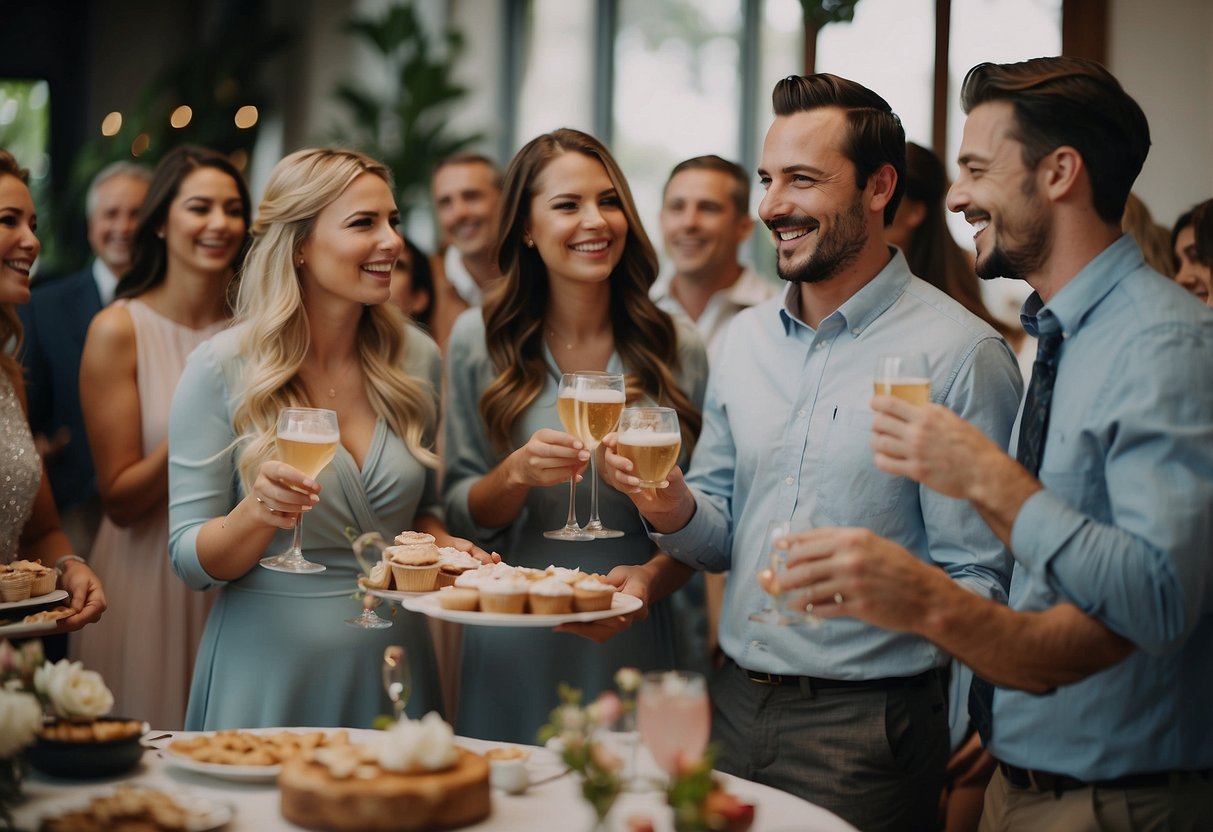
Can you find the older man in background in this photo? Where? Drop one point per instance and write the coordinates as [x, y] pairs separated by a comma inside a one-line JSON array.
[[56, 321]]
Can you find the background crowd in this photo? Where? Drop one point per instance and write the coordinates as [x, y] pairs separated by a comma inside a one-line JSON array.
[[1072, 575]]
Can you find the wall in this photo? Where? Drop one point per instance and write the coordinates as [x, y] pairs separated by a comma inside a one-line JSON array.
[[1162, 52]]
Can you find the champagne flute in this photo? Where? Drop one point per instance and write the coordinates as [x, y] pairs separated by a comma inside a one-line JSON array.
[[674, 717], [649, 437], [786, 610], [566, 409], [369, 620], [600, 398], [906, 376], [307, 440], [397, 679]]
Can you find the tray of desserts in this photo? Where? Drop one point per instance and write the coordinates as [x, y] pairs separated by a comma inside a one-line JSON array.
[[33, 601], [246, 756], [137, 807], [44, 621], [432, 605]]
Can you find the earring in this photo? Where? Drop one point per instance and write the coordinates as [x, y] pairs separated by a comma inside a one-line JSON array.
[[160, 234], [529, 242]]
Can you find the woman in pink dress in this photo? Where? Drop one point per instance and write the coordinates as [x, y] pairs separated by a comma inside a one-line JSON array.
[[191, 234]]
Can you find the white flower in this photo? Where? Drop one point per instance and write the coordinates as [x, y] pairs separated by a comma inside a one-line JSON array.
[[73, 691], [20, 721], [628, 679]]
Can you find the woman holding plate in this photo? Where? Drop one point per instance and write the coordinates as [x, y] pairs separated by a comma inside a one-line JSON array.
[[577, 267], [313, 329]]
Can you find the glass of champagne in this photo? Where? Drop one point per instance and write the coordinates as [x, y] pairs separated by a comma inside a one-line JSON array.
[[369, 619], [307, 440], [787, 609], [566, 409], [674, 717], [600, 398], [649, 437], [904, 375]]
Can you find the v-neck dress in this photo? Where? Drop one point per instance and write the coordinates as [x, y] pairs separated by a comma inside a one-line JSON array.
[[276, 651], [153, 622], [509, 677]]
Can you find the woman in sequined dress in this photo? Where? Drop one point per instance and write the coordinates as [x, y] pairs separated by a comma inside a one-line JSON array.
[[29, 523]]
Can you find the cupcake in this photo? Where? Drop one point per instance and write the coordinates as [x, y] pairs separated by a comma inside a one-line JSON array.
[[569, 576], [551, 596], [380, 577], [414, 566], [458, 598], [504, 595], [592, 595], [45, 577], [411, 538], [452, 563], [15, 585]]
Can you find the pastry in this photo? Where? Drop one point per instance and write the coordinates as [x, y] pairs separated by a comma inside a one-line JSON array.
[[414, 566], [550, 596], [504, 595], [591, 595], [452, 563], [413, 777], [459, 598]]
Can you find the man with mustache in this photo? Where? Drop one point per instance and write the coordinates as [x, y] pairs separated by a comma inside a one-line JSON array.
[[847, 715], [1104, 660]]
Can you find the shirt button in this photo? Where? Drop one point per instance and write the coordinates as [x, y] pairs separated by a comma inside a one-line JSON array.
[[789, 481], [801, 414], [755, 643], [821, 345]]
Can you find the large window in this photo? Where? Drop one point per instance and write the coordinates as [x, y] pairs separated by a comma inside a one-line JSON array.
[[25, 132]]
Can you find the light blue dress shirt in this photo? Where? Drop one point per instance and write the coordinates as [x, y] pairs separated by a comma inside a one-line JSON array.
[[787, 437], [1124, 528]]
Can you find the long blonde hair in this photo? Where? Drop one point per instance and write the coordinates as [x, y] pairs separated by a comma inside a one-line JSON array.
[[276, 337], [645, 336], [10, 322]]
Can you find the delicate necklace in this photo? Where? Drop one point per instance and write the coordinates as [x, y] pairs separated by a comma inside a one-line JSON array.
[[558, 338]]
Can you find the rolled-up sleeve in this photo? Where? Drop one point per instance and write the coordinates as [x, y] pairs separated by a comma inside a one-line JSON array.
[[985, 392], [1130, 543], [201, 462]]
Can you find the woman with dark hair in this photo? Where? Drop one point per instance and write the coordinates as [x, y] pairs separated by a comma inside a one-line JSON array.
[[413, 284], [191, 232], [577, 267], [29, 523], [1202, 225]]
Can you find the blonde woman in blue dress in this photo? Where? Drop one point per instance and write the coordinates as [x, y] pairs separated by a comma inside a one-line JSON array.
[[577, 268], [313, 329]]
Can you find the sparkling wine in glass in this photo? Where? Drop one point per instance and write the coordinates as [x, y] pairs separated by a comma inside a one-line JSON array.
[[674, 717], [397, 679], [307, 439], [649, 437], [789, 607], [600, 398], [566, 409], [904, 375]]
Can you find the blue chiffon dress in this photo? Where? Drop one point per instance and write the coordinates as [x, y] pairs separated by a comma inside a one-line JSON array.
[[275, 651], [509, 677]]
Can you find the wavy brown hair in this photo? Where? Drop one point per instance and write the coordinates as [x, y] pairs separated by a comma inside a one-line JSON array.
[[276, 336], [645, 336], [10, 323]]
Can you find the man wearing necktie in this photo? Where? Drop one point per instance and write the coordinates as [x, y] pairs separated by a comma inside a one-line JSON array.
[[1101, 669]]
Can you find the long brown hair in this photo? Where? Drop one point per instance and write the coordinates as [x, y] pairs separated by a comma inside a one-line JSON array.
[[645, 336], [932, 253], [10, 324]]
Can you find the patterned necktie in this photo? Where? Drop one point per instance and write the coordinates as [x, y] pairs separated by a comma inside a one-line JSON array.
[[1033, 427]]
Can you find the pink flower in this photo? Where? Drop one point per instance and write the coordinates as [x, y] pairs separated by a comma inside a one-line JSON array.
[[607, 708]]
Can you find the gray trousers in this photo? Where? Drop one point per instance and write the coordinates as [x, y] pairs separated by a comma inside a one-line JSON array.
[[873, 756]]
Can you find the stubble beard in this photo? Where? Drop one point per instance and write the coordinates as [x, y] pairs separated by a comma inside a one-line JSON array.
[[838, 248]]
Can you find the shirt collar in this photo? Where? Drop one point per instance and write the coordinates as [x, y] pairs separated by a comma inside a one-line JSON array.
[[460, 278], [106, 280], [861, 308], [1069, 307], [749, 289]]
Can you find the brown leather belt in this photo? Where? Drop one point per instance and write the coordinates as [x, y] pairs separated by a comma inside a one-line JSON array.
[[1044, 781]]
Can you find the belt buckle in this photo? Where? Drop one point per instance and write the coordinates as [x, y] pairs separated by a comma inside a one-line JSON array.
[[762, 678]]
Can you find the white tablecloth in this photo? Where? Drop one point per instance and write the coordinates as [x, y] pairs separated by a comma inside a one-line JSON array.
[[553, 805]]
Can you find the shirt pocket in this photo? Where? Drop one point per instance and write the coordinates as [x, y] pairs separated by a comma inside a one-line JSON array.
[[851, 491]]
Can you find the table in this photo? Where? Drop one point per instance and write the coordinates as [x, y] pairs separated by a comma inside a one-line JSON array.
[[552, 805]]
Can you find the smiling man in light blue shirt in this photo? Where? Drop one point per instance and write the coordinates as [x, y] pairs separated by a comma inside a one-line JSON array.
[[1109, 513], [847, 715]]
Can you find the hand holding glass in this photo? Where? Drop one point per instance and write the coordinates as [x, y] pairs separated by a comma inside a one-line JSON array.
[[307, 439], [650, 439], [786, 610], [906, 376]]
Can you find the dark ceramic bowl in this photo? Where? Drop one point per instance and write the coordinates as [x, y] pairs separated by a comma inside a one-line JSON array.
[[81, 760]]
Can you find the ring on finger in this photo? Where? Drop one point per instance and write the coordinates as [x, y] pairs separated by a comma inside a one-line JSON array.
[[837, 597]]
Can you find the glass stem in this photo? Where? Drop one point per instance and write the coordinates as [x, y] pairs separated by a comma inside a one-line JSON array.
[[571, 521], [594, 523], [296, 550]]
